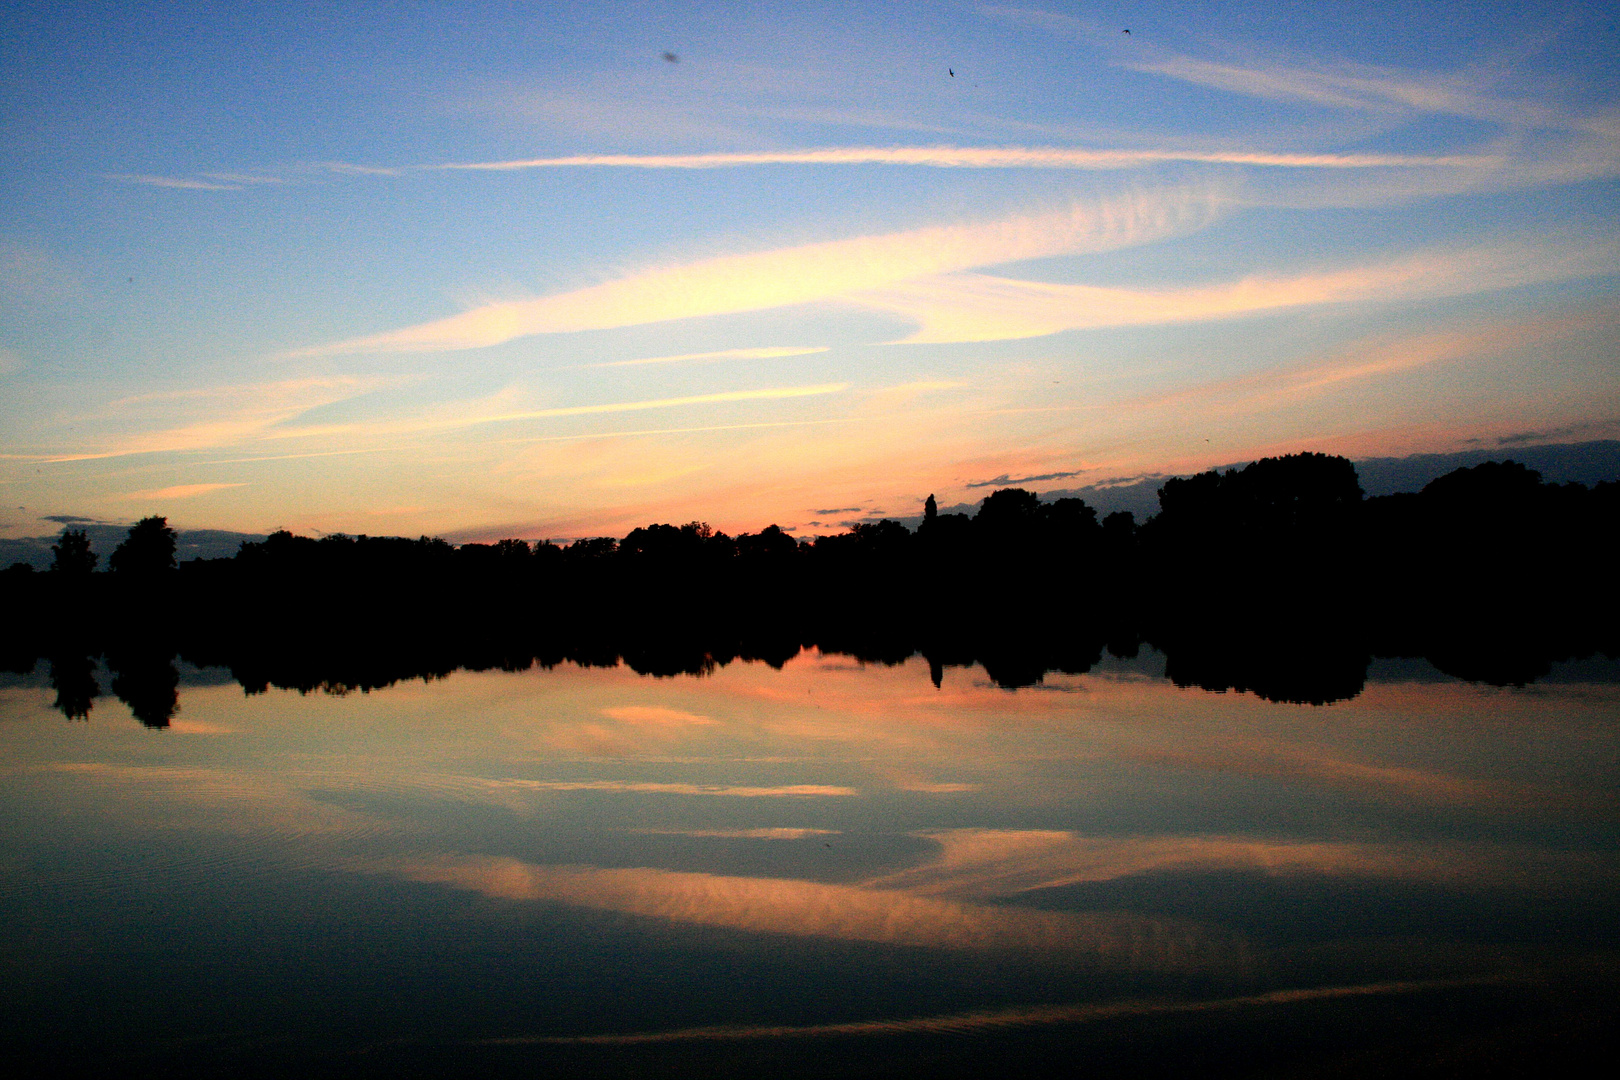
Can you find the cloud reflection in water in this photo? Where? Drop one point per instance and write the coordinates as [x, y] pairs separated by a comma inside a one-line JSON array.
[[843, 912]]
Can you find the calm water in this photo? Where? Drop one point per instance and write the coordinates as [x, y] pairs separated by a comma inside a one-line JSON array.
[[828, 868]]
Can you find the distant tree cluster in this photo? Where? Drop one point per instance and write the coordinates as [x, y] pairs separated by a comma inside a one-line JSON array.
[[1293, 529]]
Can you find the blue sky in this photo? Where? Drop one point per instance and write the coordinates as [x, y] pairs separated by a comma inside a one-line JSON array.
[[502, 269]]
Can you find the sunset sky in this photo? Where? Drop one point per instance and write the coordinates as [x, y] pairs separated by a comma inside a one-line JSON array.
[[497, 269]]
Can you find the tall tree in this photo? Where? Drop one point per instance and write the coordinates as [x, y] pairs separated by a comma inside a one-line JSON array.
[[148, 551], [71, 555]]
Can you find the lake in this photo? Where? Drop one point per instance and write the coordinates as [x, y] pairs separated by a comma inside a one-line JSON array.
[[825, 867]]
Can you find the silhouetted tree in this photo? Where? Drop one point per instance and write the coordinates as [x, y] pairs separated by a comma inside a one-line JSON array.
[[148, 551], [1008, 510], [1280, 531], [71, 556], [514, 552], [591, 549], [770, 546], [930, 510]]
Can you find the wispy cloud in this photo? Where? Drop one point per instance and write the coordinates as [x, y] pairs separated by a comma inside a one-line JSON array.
[[1360, 86], [342, 168], [179, 491], [227, 415], [180, 182], [978, 157], [402, 427], [812, 272], [254, 415], [242, 178], [764, 353], [978, 307], [1371, 359], [644, 432]]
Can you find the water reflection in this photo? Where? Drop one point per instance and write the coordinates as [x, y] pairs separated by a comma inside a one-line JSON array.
[[559, 858], [845, 912], [147, 681], [74, 680], [1295, 670]]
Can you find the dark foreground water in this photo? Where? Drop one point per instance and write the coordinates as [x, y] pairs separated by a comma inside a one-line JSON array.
[[828, 869]]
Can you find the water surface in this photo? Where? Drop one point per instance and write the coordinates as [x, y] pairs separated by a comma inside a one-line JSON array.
[[829, 867]]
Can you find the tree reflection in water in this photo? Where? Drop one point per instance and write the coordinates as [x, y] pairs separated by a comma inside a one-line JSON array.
[[1310, 665]]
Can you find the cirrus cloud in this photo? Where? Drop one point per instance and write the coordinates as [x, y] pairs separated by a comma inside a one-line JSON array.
[[178, 491], [808, 273]]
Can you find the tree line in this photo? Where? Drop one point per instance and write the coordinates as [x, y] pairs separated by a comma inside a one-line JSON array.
[[1294, 524], [1483, 561], [1279, 578]]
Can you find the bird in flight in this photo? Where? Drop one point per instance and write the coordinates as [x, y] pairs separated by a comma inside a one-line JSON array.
[[952, 71], [1124, 31], [673, 59]]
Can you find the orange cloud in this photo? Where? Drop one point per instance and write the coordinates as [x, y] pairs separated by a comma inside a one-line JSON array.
[[977, 307], [179, 491], [804, 274]]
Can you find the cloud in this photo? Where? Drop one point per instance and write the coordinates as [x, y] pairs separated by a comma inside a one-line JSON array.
[[1566, 431], [170, 182], [776, 393], [808, 273], [229, 415], [966, 307], [269, 412], [980, 157], [1362, 87], [346, 169], [1375, 357], [71, 519], [1003, 480], [643, 432], [243, 178], [837, 510], [766, 353], [179, 491]]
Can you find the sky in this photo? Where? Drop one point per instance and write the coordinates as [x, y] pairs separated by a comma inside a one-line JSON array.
[[555, 270]]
